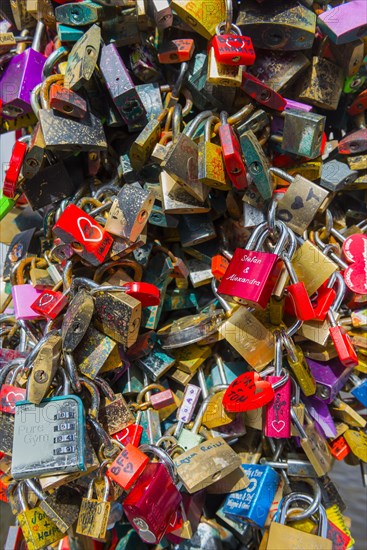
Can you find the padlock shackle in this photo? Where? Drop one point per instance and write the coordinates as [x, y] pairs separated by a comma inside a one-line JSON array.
[[105, 491], [93, 390], [10, 367], [323, 522], [191, 128], [37, 37], [208, 127], [72, 372], [53, 59]]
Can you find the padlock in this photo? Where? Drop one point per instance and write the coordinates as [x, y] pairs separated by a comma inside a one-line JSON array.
[[97, 353], [253, 503], [11, 393], [299, 366], [127, 466], [261, 270], [343, 24], [130, 212], [49, 304], [86, 236], [66, 101], [287, 27], [347, 414], [15, 165], [120, 86], [232, 154], [181, 161], [277, 411], [83, 58], [156, 364], [23, 298], [94, 512], [44, 367], [54, 428], [357, 442], [359, 389], [22, 74], [339, 448], [203, 461], [220, 74], [290, 536], [300, 203], [322, 84], [154, 498], [313, 444], [176, 51], [257, 163], [114, 414], [319, 412], [342, 342], [131, 434], [82, 13], [299, 123], [38, 529], [232, 48], [203, 19], [62, 506], [211, 169]]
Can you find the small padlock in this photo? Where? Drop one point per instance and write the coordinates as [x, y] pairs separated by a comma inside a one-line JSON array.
[[94, 513], [211, 169], [232, 154], [232, 48]]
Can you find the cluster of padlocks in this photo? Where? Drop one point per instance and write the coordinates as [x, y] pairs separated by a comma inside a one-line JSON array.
[[184, 297]]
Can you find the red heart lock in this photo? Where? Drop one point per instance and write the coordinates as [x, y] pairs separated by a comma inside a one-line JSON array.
[[355, 277], [355, 252], [249, 391], [148, 294], [355, 247]]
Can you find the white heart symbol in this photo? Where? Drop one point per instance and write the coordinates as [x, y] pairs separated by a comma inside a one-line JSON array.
[[280, 423], [45, 299], [15, 395], [90, 224]]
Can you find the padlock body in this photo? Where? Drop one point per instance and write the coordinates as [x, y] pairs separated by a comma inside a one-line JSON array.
[[49, 437], [232, 156], [277, 412], [253, 503], [22, 74], [23, 298], [128, 466], [131, 434], [251, 277], [151, 503], [330, 378], [360, 393], [49, 304], [9, 395], [38, 529], [232, 49]]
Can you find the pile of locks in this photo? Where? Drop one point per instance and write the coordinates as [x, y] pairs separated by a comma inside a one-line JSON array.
[[184, 312]]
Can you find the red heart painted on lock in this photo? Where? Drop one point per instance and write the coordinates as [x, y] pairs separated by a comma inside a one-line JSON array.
[[249, 391]]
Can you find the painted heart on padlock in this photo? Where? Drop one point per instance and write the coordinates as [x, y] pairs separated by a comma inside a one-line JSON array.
[[355, 277], [89, 232], [45, 299], [297, 203], [278, 425], [249, 391]]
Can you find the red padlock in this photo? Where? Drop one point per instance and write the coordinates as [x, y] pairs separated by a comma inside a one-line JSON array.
[[342, 343], [261, 93], [339, 448], [86, 236], [127, 466], [233, 48], [9, 395], [247, 392], [232, 153], [148, 294], [129, 435], [176, 51], [67, 102], [359, 104], [49, 304], [323, 299], [152, 501], [297, 293], [219, 266], [15, 165]]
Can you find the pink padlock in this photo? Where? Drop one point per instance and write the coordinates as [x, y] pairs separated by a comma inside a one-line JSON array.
[[23, 298], [278, 410], [252, 275], [153, 500]]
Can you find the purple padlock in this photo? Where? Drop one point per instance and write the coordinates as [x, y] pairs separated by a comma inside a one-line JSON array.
[[344, 23], [319, 411], [330, 378], [23, 298], [22, 74], [277, 124]]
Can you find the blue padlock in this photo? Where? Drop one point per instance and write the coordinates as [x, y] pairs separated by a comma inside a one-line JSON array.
[[253, 503]]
